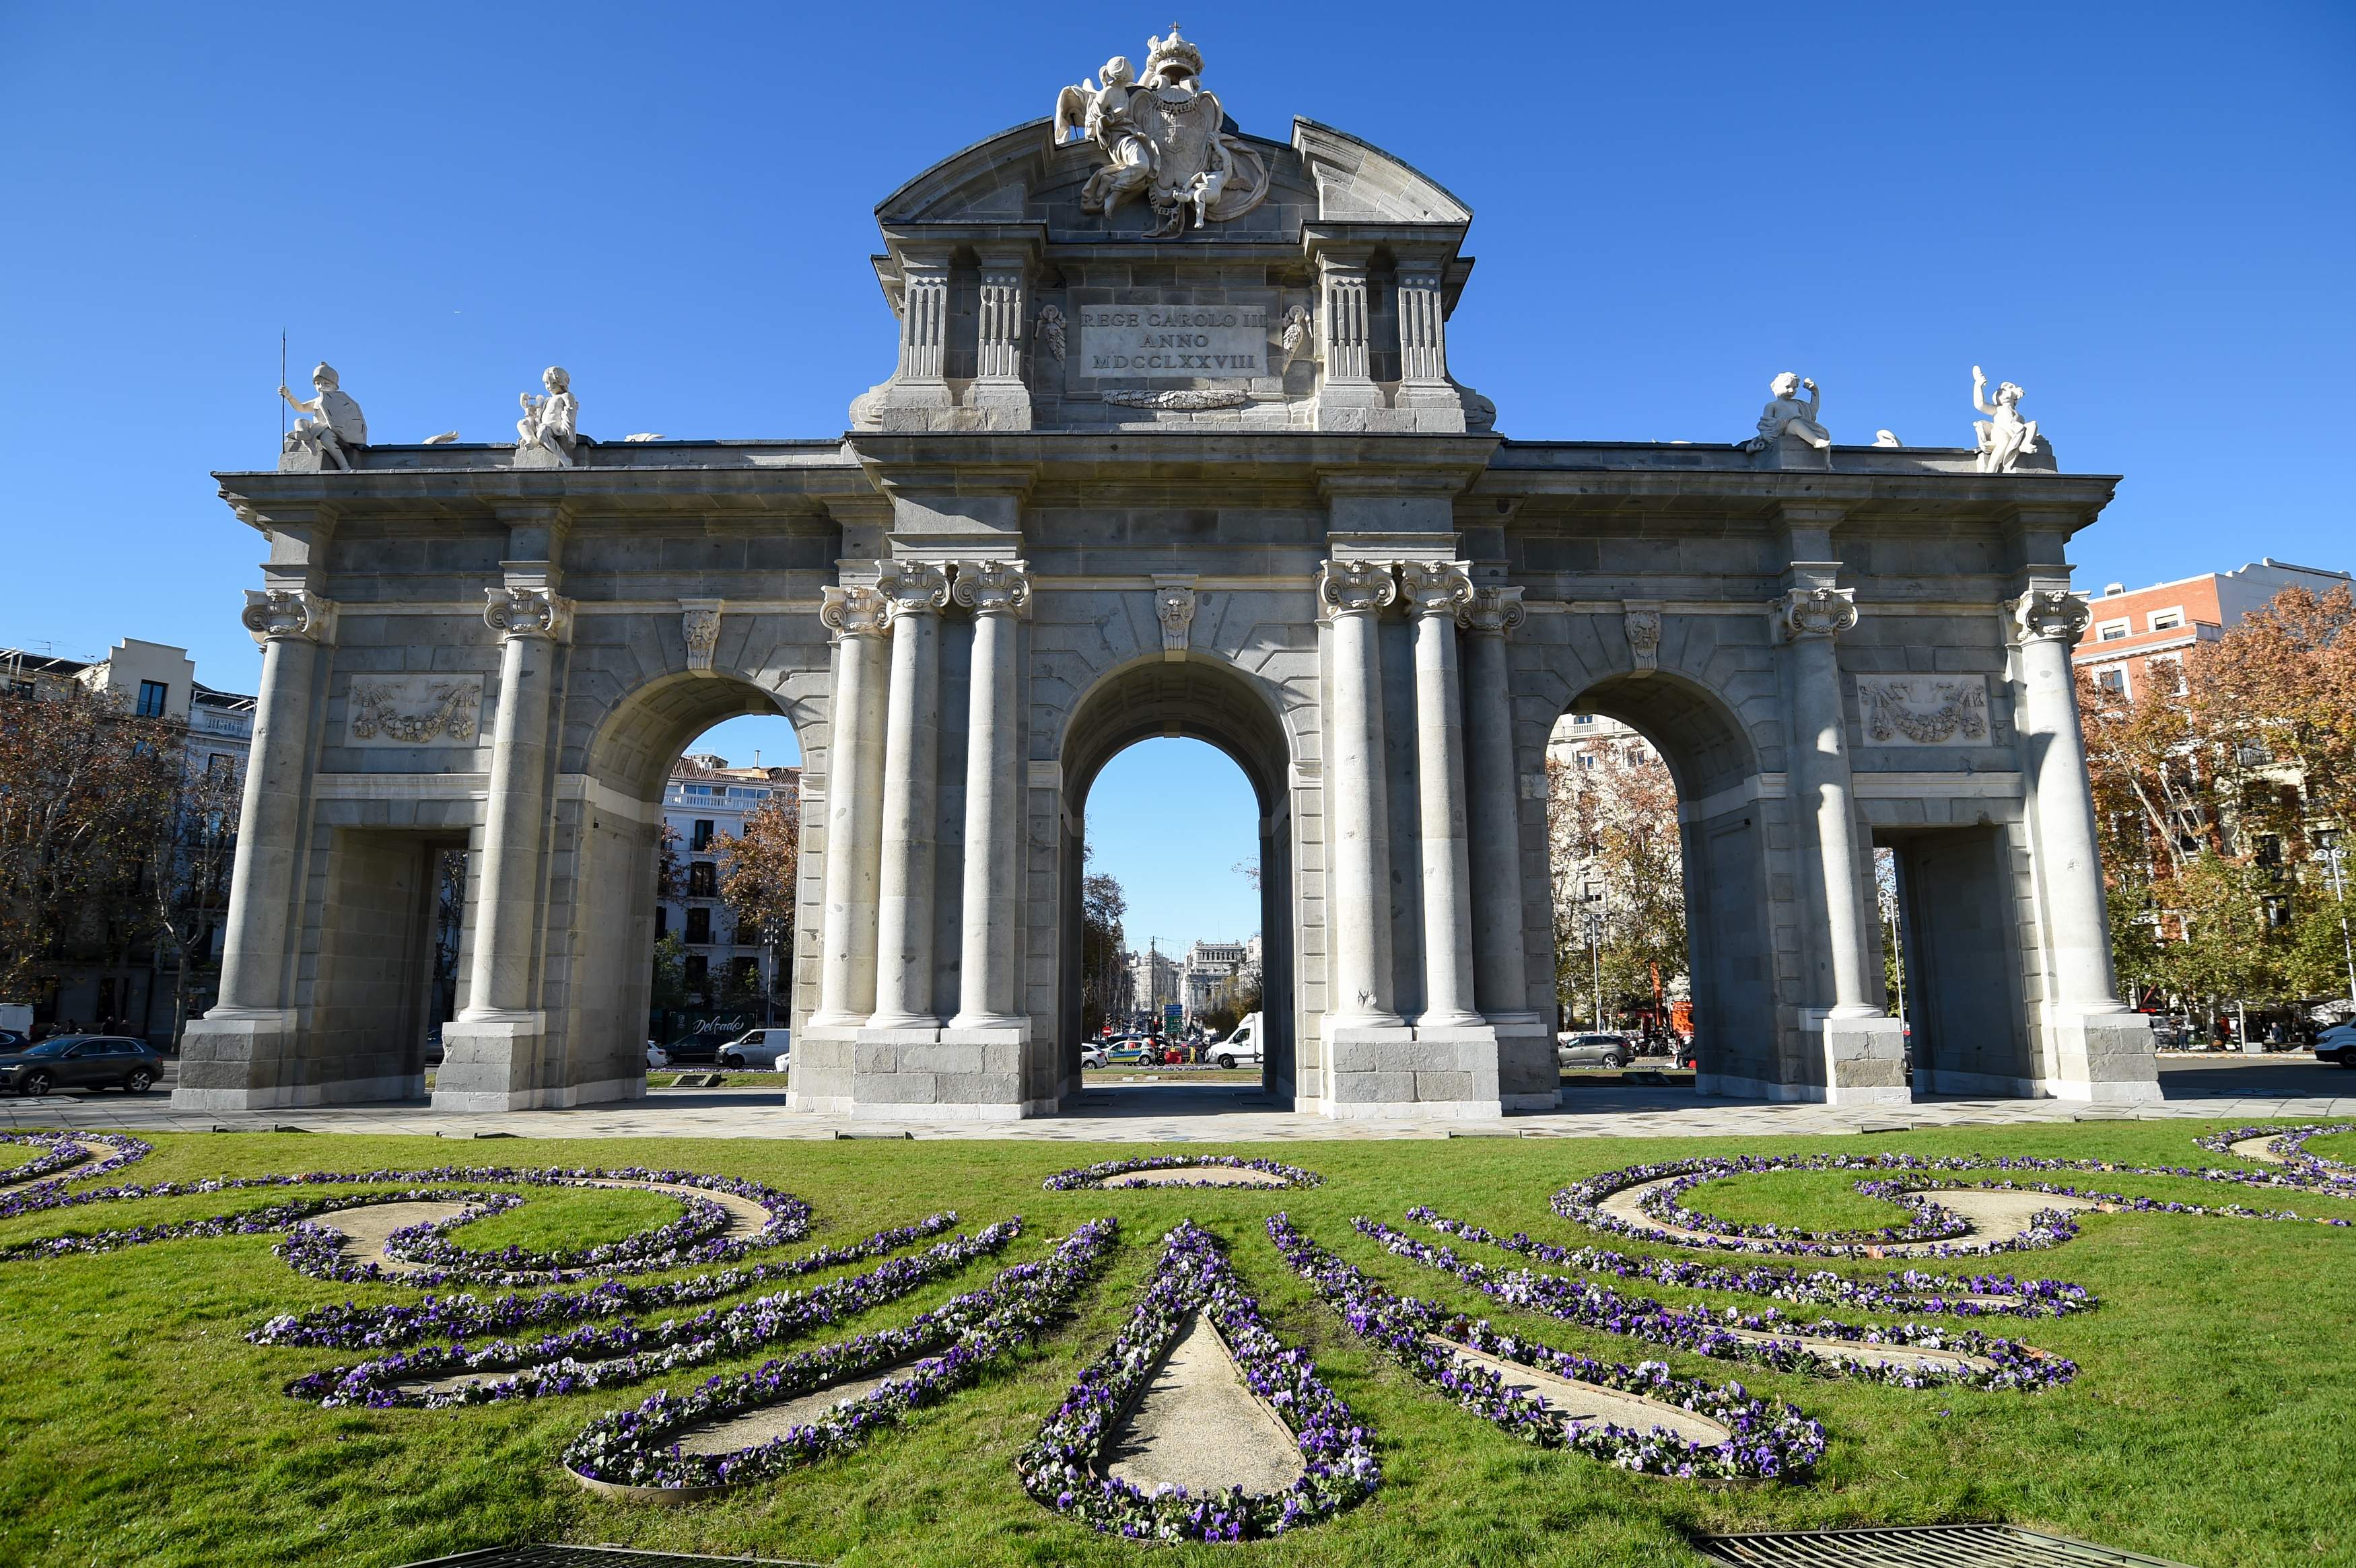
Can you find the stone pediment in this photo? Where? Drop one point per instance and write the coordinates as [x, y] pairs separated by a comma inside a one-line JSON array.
[[1021, 176]]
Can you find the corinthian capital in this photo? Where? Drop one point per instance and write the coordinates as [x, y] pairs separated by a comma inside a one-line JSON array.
[[1495, 611], [527, 612], [913, 587], [854, 612], [993, 587], [1813, 612], [1346, 587], [271, 613], [1436, 587], [2051, 614]]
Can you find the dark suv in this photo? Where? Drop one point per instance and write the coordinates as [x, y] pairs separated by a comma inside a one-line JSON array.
[[82, 1061]]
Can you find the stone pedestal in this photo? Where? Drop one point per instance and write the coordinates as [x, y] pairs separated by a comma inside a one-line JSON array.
[[1377, 1070], [2102, 1057], [254, 1060], [936, 1074], [1865, 1060]]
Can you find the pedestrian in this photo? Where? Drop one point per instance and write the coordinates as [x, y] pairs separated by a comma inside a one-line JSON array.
[[2277, 1037]]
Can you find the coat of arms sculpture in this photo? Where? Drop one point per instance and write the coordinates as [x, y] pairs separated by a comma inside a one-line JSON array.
[[1163, 137]]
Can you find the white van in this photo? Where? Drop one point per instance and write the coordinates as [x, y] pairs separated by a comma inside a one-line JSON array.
[[1241, 1048], [759, 1047]]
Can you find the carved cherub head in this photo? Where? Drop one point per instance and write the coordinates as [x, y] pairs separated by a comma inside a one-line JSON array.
[[1118, 71], [2007, 392], [324, 377], [555, 379], [1786, 384]]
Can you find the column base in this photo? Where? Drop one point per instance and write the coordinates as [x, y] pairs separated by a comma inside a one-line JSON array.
[[503, 1062], [931, 1072], [1395, 1070], [1865, 1059], [252, 1059], [2104, 1058]]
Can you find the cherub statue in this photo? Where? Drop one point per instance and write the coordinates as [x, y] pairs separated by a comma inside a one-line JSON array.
[[1203, 190], [2004, 437], [331, 424], [1102, 114], [1785, 413], [550, 425]]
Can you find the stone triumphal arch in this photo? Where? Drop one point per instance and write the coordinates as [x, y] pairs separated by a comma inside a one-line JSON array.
[[1173, 445]]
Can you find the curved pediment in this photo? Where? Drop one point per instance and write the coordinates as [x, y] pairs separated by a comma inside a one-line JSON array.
[[1020, 175]]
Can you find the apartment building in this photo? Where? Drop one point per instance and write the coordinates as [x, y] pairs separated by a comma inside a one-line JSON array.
[[2140, 635], [704, 802]]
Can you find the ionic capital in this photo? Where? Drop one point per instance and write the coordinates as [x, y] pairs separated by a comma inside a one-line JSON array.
[[1813, 612], [2052, 615], [1436, 587], [993, 587], [1355, 587], [854, 612], [528, 613], [275, 613], [1494, 611], [913, 588]]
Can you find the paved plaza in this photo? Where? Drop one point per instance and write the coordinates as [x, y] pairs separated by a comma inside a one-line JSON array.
[[2193, 1086]]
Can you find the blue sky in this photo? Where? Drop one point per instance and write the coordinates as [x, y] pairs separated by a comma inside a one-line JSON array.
[[2142, 212]]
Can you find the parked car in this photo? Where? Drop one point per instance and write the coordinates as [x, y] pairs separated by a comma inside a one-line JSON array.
[[13, 1041], [1593, 1050], [2337, 1044], [702, 1046], [657, 1056], [771, 1047], [1092, 1055], [1135, 1053], [1241, 1048], [82, 1061]]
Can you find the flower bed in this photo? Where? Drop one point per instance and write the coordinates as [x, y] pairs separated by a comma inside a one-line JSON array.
[[1888, 1175], [1903, 1290], [1928, 1223], [1059, 1468], [39, 1184], [2291, 1144], [1706, 1331], [1771, 1439], [637, 1448], [594, 1357], [319, 1251], [351, 1326], [1094, 1175]]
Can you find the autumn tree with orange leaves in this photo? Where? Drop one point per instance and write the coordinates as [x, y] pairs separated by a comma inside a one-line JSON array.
[[759, 869]]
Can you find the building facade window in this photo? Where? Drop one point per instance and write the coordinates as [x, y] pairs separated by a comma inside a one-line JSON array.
[[662, 922], [2166, 620], [701, 838], [702, 881], [699, 926], [2113, 680], [699, 974], [2112, 631], [154, 694]]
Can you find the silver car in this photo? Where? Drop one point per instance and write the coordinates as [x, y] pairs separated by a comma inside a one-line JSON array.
[[1595, 1051]]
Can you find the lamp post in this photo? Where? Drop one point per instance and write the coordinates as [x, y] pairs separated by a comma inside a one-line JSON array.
[[2333, 851], [1593, 920]]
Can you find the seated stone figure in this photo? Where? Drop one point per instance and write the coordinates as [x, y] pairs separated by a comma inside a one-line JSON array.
[[548, 436], [2004, 437], [1786, 414], [330, 427]]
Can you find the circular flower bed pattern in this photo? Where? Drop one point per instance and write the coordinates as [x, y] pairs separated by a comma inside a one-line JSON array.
[[1061, 1466], [1096, 1175], [2285, 1146], [56, 1152]]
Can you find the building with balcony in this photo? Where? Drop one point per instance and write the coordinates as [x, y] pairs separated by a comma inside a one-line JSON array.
[[705, 802], [2140, 635]]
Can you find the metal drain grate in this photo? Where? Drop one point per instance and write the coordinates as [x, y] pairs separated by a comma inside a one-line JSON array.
[[1918, 1546], [544, 1555]]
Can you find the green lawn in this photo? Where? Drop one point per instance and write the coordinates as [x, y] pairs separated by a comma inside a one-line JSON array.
[[2210, 1422]]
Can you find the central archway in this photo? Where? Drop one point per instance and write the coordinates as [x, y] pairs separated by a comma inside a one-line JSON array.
[[1202, 700]]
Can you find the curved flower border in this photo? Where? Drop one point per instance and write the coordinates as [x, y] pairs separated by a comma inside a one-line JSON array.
[[1059, 1466], [351, 1326], [40, 1182], [1088, 1176], [318, 1251], [637, 1449], [1892, 1175], [599, 1357], [1901, 1290], [1771, 1439], [2291, 1144], [1710, 1332]]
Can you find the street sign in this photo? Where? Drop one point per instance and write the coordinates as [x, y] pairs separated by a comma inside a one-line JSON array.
[[1171, 1016]]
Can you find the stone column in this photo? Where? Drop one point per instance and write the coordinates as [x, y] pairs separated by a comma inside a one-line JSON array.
[[915, 591], [859, 619], [1865, 1058], [2098, 1047], [1424, 386], [924, 321], [1345, 393], [493, 1050], [1501, 968], [1436, 592], [242, 1053], [999, 594], [1349, 595]]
